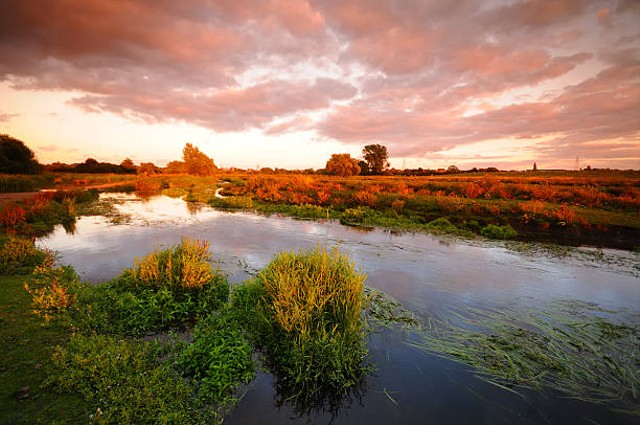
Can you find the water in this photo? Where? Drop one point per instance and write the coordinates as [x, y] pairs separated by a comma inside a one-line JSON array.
[[427, 274]]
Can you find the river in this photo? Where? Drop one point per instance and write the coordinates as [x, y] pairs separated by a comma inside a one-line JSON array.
[[428, 274]]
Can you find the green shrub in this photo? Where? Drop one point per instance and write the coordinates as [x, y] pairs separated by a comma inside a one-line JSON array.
[[183, 267], [218, 358], [499, 232], [359, 215], [20, 256], [232, 202], [174, 192], [309, 211], [442, 224], [167, 288], [112, 309]]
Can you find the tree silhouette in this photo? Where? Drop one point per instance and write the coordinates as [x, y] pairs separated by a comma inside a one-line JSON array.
[[376, 157], [341, 164], [128, 166], [16, 157], [196, 162]]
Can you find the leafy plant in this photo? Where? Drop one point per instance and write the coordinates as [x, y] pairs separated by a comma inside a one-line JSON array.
[[499, 232], [125, 382], [19, 255], [218, 359]]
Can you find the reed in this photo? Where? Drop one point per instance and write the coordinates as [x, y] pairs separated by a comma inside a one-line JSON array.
[[184, 266], [311, 308]]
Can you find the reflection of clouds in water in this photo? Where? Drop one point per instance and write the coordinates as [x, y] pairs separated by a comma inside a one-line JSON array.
[[415, 268]]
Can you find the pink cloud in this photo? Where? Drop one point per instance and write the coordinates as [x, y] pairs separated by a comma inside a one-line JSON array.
[[403, 74]]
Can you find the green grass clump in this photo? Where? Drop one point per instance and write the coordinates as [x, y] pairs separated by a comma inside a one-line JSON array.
[[574, 348], [310, 310], [20, 256], [174, 192], [183, 267], [499, 232]]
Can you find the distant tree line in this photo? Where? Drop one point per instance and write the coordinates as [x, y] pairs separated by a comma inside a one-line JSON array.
[[91, 166]]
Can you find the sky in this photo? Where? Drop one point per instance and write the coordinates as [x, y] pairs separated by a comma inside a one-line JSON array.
[[287, 83]]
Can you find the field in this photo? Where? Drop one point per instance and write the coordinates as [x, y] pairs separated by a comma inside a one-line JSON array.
[[597, 208]]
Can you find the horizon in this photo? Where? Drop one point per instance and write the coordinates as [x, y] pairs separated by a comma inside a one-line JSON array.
[[286, 84]]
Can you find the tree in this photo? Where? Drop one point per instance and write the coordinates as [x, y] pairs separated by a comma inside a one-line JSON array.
[[535, 167], [196, 162], [128, 166], [174, 167], [341, 164], [364, 168], [16, 157], [148, 168], [452, 169], [376, 157]]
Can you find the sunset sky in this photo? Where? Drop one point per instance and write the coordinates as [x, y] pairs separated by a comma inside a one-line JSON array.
[[286, 83]]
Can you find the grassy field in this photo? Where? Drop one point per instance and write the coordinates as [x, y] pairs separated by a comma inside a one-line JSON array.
[[596, 208]]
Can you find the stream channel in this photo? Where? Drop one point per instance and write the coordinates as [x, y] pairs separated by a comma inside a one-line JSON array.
[[427, 274]]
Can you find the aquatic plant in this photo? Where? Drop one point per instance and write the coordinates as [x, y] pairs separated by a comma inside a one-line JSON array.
[[218, 359], [499, 232], [310, 323], [574, 348], [184, 266]]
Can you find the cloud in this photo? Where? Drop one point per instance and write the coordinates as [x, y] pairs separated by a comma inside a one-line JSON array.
[[7, 117], [419, 76]]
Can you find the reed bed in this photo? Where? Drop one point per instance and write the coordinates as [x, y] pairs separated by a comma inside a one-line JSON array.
[[574, 348]]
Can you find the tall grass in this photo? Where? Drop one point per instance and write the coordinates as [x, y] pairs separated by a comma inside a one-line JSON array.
[[310, 321], [185, 266]]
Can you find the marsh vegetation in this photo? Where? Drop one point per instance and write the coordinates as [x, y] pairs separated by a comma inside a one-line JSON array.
[[173, 323]]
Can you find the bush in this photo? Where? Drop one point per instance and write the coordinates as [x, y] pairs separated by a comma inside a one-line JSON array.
[[219, 358], [359, 215], [183, 267], [232, 202], [442, 224], [20, 256], [499, 232]]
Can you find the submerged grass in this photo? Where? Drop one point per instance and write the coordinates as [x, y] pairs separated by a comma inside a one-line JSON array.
[[576, 349]]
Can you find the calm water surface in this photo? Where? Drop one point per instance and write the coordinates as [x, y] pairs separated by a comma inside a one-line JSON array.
[[427, 274]]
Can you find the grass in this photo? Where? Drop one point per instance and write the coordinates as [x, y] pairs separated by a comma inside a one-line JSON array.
[[593, 208], [575, 348], [305, 311], [27, 347]]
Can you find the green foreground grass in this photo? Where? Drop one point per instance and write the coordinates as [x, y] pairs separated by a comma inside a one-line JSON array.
[[27, 346]]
